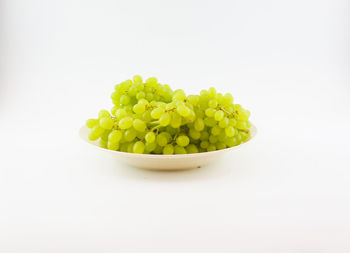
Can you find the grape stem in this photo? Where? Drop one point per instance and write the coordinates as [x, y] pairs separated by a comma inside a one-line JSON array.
[[224, 110]]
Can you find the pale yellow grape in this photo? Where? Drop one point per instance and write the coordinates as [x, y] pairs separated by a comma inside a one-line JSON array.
[[165, 119], [103, 113], [230, 131], [191, 149], [126, 123], [139, 147], [182, 140], [95, 132], [120, 113], [90, 123], [211, 92], [212, 103], [168, 149], [210, 112], [176, 120], [193, 99], [162, 139], [204, 136], [183, 111], [106, 123], [137, 79], [199, 124], [194, 134], [150, 137], [211, 147], [219, 115], [220, 145], [115, 136], [139, 125], [152, 80], [157, 113], [224, 122], [179, 150], [124, 99], [130, 134], [139, 108], [149, 147], [204, 144], [215, 130], [213, 139]]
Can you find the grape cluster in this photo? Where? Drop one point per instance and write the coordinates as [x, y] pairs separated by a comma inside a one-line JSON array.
[[151, 118]]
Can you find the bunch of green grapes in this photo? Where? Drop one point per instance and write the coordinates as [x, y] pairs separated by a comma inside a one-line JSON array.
[[151, 118]]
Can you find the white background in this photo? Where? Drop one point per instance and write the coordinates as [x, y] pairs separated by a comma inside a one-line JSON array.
[[288, 62]]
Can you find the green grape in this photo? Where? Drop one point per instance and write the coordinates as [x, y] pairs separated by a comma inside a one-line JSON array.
[[176, 120], [210, 112], [115, 136], [148, 89], [183, 111], [132, 91], [230, 131], [244, 136], [212, 103], [149, 147], [140, 87], [152, 80], [158, 150], [150, 137], [198, 124], [209, 122], [130, 147], [219, 115], [146, 116], [138, 147], [219, 98], [149, 96], [232, 122], [194, 134], [193, 99], [243, 115], [182, 140], [211, 147], [96, 132], [165, 119], [112, 145], [222, 136], [140, 135], [139, 125], [162, 139], [227, 99], [220, 145], [179, 150], [103, 114], [124, 99], [114, 110], [126, 123], [137, 79], [106, 123], [204, 93], [90, 123], [179, 95], [171, 130], [241, 125], [121, 113], [168, 149], [105, 135], [215, 130], [130, 134], [103, 143], [168, 136], [212, 92], [204, 144], [123, 147], [139, 108], [191, 149], [213, 139], [249, 124], [157, 113], [224, 122], [140, 95], [204, 136]]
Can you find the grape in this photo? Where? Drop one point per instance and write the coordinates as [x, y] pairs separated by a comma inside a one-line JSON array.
[[165, 119], [168, 149], [139, 125], [124, 99], [212, 103], [199, 124], [120, 113], [219, 115], [126, 123], [190, 149], [157, 113], [175, 120], [90, 123], [130, 134], [150, 137], [103, 114], [106, 123], [152, 118], [138, 147], [182, 140], [115, 136], [224, 122], [210, 112], [96, 132], [139, 108], [211, 147], [194, 134], [230, 131], [179, 150], [204, 144], [162, 140], [137, 79]]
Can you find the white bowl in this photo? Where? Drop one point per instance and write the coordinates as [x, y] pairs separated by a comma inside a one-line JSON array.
[[164, 162]]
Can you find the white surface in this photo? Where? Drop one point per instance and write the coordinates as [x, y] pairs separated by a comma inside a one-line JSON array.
[[164, 162], [286, 61]]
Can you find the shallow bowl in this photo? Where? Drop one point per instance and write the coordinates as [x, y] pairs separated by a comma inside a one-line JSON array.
[[165, 162]]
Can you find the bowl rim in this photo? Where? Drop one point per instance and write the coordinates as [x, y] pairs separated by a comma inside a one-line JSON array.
[[83, 138]]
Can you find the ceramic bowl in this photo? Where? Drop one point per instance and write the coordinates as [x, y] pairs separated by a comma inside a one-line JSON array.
[[164, 162]]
